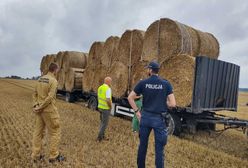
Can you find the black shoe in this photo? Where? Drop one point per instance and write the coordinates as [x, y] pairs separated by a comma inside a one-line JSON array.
[[59, 158], [39, 159], [99, 139]]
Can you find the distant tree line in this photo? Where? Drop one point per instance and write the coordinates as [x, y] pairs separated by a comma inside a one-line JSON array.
[[18, 77]]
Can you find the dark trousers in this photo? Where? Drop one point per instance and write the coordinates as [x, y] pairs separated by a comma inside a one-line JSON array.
[[148, 122], [104, 118]]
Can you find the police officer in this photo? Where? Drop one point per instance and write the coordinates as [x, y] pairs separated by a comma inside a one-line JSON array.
[[46, 115], [157, 96], [104, 96]]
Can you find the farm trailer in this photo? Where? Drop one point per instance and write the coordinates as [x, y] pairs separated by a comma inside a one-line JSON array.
[[215, 88]]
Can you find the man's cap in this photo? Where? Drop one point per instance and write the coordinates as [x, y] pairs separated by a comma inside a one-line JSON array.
[[153, 65]]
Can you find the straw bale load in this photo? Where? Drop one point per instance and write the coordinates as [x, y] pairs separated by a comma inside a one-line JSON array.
[[101, 72], [61, 79], [179, 71], [59, 58], [88, 79], [109, 50], [119, 74], [73, 79], [46, 61], [130, 47], [74, 59], [138, 73], [165, 38], [209, 45], [95, 52]]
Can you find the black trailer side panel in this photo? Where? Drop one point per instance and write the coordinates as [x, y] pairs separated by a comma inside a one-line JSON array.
[[215, 86]]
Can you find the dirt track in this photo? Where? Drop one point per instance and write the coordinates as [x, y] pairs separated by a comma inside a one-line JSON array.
[[79, 131]]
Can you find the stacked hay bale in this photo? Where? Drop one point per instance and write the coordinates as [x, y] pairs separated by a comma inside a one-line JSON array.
[[96, 50], [128, 54], [45, 62], [74, 77], [175, 46], [165, 38], [179, 71], [72, 65]]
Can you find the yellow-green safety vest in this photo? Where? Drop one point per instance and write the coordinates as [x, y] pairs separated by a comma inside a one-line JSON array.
[[101, 96]]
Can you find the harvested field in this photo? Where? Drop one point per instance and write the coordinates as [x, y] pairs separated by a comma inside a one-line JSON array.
[[79, 131]]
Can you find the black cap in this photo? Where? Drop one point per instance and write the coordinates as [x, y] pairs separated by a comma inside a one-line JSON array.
[[153, 65]]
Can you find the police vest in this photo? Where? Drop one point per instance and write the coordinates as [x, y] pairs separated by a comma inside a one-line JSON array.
[[101, 95]]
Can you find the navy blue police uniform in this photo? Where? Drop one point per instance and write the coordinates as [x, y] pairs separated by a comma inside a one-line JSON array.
[[155, 91]]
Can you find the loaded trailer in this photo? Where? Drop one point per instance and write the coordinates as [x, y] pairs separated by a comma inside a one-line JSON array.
[[215, 88]]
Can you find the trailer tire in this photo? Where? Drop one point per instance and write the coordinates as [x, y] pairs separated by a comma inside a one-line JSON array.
[[92, 103], [69, 97], [175, 125]]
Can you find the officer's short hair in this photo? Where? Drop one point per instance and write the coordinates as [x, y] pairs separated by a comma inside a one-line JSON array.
[[53, 67]]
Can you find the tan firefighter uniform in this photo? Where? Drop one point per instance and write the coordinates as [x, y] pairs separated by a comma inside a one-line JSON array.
[[45, 97]]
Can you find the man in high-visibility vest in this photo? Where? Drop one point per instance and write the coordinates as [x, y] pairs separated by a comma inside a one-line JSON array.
[[104, 97]]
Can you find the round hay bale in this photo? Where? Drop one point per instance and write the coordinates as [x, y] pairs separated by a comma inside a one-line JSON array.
[[48, 59], [150, 45], [61, 79], [95, 52], [179, 71], [138, 73], [130, 47], [88, 79], [119, 74], [59, 58], [165, 38], [109, 48], [101, 71], [73, 79], [42, 64], [209, 45], [73, 59]]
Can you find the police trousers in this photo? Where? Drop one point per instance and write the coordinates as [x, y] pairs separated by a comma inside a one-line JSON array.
[[156, 123], [51, 121]]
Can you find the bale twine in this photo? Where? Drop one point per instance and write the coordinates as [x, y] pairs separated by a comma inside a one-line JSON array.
[[209, 45], [165, 38], [119, 74], [109, 48], [61, 79], [130, 47], [101, 72], [73, 59], [179, 71], [95, 52], [73, 79]]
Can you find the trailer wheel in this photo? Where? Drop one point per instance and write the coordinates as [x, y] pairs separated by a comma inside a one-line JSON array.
[[69, 97], [175, 125], [92, 103]]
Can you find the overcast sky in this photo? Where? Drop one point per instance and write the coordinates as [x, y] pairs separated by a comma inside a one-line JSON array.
[[30, 29]]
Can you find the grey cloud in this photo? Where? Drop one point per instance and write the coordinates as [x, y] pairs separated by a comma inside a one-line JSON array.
[[30, 29]]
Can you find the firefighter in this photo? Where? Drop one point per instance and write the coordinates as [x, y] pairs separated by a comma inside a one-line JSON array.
[[46, 116], [104, 96], [157, 97]]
